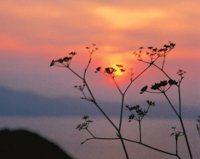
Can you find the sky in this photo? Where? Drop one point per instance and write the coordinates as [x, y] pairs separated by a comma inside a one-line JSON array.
[[32, 33]]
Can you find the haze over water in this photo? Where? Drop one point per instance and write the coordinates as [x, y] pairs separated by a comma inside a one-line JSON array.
[[62, 131]]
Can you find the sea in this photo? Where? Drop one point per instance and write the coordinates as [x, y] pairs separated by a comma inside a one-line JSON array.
[[155, 132]]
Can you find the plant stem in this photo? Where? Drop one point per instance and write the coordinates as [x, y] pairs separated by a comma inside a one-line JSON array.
[[88, 64], [136, 78], [170, 103], [75, 73], [124, 146], [163, 63], [180, 104], [140, 131], [100, 109], [176, 138], [153, 148], [186, 138], [182, 125], [121, 113], [162, 71]]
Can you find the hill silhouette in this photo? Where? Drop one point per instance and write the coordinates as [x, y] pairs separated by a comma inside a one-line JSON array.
[[23, 144]]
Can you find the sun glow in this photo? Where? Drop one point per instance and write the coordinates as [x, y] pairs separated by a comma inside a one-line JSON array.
[[117, 64], [119, 71]]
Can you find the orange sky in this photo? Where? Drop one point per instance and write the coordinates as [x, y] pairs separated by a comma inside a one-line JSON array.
[[34, 32]]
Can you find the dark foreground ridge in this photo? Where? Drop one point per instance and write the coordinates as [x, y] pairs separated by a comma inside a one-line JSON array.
[[22, 144]]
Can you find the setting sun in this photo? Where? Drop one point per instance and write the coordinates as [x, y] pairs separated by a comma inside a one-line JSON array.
[[119, 71]]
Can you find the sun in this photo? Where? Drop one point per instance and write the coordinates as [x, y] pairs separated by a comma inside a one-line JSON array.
[[119, 70]]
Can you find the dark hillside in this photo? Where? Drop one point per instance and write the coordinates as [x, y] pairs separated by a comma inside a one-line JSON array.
[[22, 144]]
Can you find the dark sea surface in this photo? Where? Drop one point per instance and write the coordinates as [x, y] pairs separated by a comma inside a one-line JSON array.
[[62, 131]]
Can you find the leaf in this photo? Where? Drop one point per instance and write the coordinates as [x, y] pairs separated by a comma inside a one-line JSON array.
[[141, 47], [150, 47], [85, 117], [158, 85], [181, 72], [78, 126], [143, 89], [122, 70], [150, 103], [119, 65], [60, 60], [110, 70], [155, 49], [98, 69], [172, 45], [172, 82], [52, 63], [66, 59], [163, 83], [129, 108], [155, 86], [131, 117], [72, 53], [160, 50], [166, 46]]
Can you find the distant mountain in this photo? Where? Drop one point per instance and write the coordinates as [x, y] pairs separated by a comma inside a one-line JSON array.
[[19, 103]]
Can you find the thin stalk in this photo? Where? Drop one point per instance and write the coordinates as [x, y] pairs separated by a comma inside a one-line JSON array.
[[163, 63], [136, 78], [100, 109], [140, 131], [92, 96], [182, 125], [170, 103], [88, 64], [79, 76], [106, 116], [123, 93], [133, 141], [99, 138], [180, 104], [117, 86], [176, 138], [121, 112], [124, 146], [153, 148], [186, 138], [90, 132], [162, 70]]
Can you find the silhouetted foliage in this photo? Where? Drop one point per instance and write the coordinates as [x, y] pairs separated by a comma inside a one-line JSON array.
[[85, 124], [137, 113], [151, 57]]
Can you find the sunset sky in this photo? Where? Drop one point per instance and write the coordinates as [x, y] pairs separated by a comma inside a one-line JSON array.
[[33, 32]]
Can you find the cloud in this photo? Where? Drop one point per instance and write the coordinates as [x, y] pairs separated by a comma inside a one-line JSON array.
[[108, 23], [119, 18]]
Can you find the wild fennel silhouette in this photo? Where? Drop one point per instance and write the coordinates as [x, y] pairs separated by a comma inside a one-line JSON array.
[[151, 57]]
